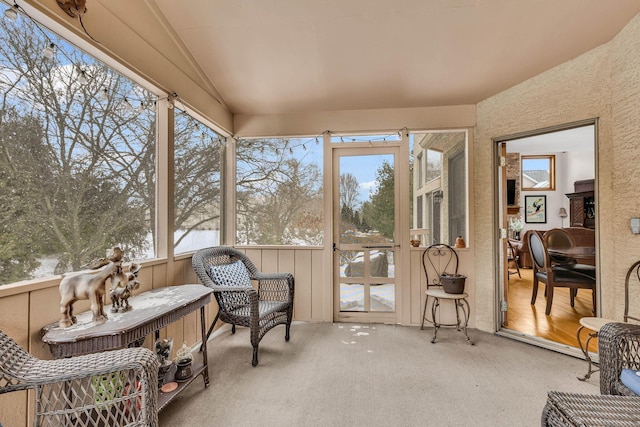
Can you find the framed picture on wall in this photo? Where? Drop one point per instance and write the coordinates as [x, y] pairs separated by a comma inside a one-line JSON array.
[[535, 208]]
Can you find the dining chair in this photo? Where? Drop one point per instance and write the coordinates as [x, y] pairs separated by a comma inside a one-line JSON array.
[[513, 257], [558, 238], [572, 276]]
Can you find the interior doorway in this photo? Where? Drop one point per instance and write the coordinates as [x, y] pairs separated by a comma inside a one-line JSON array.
[[542, 173]]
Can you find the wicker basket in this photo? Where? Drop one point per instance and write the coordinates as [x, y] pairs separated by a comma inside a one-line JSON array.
[[453, 283]]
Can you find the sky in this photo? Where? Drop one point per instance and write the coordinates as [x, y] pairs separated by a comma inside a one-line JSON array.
[[364, 169]]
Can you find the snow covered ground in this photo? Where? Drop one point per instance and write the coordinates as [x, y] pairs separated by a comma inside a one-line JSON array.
[[383, 297], [193, 241]]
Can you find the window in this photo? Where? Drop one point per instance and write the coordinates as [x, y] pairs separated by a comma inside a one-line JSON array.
[[198, 159], [77, 159], [538, 173], [279, 192], [420, 161], [419, 214], [434, 165], [446, 185]]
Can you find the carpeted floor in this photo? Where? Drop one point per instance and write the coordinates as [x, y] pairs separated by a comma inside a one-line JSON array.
[[374, 375]]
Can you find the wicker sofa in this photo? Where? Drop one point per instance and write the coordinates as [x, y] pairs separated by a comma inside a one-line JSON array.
[[619, 348]]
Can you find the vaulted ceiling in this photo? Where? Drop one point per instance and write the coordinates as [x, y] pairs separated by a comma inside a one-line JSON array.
[[282, 56]]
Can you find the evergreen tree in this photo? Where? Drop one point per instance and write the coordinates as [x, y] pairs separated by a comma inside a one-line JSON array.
[[378, 213]]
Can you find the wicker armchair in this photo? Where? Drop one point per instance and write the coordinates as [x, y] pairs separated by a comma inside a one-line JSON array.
[[115, 388], [239, 303], [618, 347]]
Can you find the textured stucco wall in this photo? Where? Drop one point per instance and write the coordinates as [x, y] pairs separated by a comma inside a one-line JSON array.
[[621, 191], [602, 83]]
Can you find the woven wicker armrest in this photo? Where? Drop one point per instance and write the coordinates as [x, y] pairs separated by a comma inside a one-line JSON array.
[[274, 276], [97, 364], [619, 348], [229, 299], [275, 286], [19, 370], [232, 289]]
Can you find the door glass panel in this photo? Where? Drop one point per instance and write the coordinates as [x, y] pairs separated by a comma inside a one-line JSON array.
[[351, 263], [367, 199], [366, 233], [382, 263], [351, 297], [383, 297]]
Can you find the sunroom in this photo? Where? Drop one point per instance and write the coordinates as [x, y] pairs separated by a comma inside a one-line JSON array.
[[319, 140]]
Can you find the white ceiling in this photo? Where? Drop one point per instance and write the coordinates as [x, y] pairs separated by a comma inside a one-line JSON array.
[[580, 139], [282, 56]]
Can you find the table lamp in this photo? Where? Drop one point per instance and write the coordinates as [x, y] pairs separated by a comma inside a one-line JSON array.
[[562, 213]]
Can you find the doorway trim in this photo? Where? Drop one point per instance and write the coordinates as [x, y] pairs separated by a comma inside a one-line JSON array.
[[500, 211]]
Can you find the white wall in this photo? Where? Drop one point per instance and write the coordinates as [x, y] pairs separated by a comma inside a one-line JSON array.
[[574, 152], [570, 167]]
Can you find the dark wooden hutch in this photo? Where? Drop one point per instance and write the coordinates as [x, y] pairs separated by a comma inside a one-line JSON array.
[[582, 205]]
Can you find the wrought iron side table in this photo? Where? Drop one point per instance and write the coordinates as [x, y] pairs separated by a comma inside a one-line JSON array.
[[592, 324]]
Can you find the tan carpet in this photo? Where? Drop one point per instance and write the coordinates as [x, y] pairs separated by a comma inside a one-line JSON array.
[[374, 375]]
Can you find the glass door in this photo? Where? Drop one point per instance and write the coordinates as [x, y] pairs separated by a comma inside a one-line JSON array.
[[365, 233]]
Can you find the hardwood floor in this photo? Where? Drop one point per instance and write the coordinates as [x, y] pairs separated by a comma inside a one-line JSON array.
[[563, 322]]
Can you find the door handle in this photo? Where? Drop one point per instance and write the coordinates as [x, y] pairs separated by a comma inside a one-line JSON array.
[[379, 246]]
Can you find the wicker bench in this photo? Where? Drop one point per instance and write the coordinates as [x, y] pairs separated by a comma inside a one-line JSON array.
[[619, 348]]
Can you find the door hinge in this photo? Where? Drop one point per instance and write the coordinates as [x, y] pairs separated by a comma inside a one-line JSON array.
[[503, 161], [503, 233], [503, 305]]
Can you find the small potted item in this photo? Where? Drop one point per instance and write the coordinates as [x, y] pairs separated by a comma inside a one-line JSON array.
[[163, 349], [453, 283], [183, 363], [183, 371], [163, 369], [163, 352]]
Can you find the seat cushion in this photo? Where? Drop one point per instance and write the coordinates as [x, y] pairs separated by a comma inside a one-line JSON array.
[[630, 379], [234, 274], [587, 270], [569, 275]]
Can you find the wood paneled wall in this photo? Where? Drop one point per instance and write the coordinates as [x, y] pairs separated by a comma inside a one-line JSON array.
[[27, 307]]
